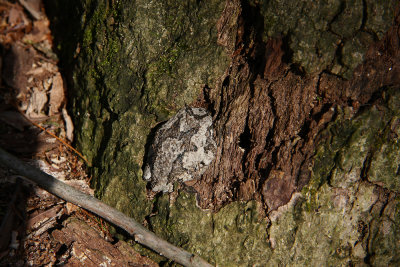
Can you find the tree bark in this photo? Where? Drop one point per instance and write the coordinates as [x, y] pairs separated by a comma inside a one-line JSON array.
[[304, 102]]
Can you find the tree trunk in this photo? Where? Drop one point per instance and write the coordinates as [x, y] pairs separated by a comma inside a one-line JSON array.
[[305, 105]]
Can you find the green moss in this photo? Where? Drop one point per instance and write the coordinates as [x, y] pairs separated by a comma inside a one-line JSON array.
[[151, 58], [339, 203], [87, 37], [325, 225], [139, 62], [385, 158], [384, 242], [352, 54], [317, 30], [236, 230], [380, 13]]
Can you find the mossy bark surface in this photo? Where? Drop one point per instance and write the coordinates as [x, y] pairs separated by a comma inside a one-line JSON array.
[[284, 121], [327, 35], [137, 63]]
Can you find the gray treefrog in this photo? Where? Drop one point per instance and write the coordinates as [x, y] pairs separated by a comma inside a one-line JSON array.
[[182, 149]]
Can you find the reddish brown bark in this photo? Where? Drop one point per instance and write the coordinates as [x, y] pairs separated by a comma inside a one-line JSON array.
[[268, 113]]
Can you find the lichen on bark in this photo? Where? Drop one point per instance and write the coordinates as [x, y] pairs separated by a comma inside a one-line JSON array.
[[329, 35], [345, 200], [235, 236], [138, 62], [342, 217]]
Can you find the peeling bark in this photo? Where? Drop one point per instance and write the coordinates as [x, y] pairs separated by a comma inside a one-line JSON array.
[[289, 131], [267, 112]]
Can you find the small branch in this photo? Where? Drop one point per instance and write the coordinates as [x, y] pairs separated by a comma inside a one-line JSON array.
[[70, 194]]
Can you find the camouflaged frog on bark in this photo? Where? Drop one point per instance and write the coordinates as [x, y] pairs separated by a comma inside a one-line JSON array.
[[182, 149]]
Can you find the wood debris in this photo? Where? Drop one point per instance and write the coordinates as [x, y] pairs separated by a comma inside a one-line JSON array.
[[90, 249]]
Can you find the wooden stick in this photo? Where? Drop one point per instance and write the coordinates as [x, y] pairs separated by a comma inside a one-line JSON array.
[[70, 194]]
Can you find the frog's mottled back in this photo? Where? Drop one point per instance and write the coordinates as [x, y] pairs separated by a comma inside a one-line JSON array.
[[182, 149]]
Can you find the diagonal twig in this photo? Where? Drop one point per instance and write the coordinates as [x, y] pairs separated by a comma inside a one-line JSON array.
[[70, 194]]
